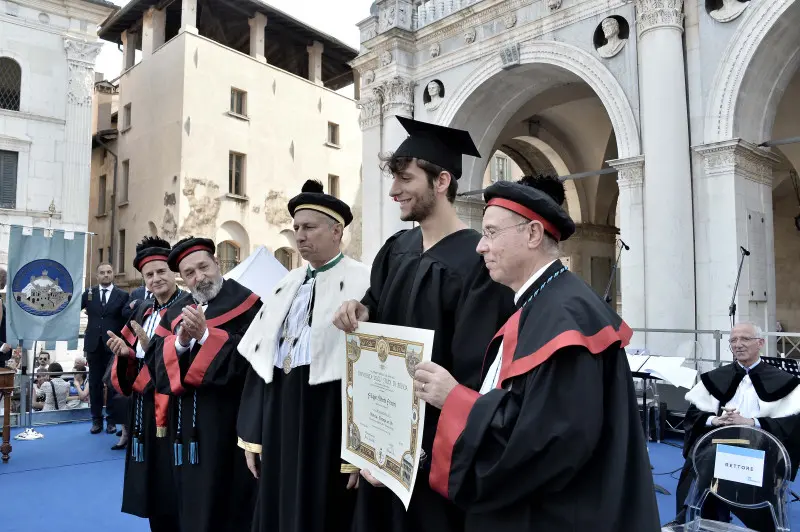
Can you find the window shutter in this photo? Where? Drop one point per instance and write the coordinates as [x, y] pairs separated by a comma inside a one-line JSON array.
[[8, 179]]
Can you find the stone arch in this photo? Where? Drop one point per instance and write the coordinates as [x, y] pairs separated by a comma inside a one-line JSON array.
[[743, 99], [566, 58], [234, 232]]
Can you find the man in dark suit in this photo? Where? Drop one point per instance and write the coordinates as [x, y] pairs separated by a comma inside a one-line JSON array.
[[5, 349], [138, 296], [107, 308]]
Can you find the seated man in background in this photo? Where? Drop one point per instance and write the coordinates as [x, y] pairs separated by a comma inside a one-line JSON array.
[[745, 392]]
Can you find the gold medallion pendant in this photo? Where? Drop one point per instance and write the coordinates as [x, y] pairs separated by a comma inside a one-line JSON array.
[[287, 364]]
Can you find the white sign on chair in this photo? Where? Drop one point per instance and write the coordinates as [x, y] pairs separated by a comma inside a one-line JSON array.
[[739, 464]]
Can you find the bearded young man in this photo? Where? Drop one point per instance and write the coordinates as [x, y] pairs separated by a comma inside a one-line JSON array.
[[291, 413], [429, 277], [552, 440], [148, 490], [196, 362]]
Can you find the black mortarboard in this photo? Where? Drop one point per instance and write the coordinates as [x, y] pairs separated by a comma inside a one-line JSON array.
[[442, 146], [149, 249], [312, 197], [534, 201], [186, 247]]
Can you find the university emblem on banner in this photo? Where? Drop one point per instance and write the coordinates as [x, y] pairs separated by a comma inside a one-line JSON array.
[[42, 287]]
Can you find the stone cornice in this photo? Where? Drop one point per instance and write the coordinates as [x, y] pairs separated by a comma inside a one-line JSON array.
[[738, 157], [652, 14], [76, 9], [630, 172], [468, 17]]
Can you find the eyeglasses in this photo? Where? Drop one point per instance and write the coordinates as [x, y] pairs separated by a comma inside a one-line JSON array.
[[744, 340], [491, 234]]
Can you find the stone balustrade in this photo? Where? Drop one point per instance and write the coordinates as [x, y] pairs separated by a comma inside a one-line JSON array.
[[429, 11]]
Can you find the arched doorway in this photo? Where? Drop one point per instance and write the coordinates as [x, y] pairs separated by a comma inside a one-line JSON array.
[[559, 112]]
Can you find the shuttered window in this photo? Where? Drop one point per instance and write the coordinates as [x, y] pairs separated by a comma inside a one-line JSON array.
[[8, 179]]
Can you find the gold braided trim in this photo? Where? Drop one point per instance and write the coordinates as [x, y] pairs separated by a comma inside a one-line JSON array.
[[161, 432], [252, 447], [731, 441], [349, 468], [324, 210]]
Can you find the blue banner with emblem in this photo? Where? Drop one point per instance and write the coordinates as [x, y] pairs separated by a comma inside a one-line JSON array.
[[44, 286]]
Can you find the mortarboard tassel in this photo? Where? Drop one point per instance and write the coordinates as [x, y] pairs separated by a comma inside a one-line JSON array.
[[194, 456], [177, 447]]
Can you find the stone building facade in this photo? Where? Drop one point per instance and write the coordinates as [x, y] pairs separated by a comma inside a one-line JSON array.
[[674, 99], [215, 126]]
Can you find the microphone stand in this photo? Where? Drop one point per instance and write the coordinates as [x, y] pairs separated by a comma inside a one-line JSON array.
[[732, 307], [606, 295]]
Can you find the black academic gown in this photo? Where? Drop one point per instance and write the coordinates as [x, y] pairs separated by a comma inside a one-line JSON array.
[[770, 384], [148, 489], [216, 491], [558, 445], [448, 289]]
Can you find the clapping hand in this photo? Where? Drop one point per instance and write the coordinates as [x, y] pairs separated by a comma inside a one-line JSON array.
[[193, 324], [144, 341], [117, 345]]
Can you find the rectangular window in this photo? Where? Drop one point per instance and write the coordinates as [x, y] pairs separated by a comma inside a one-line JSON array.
[[121, 251], [123, 182], [236, 173], [333, 185], [101, 196], [333, 133], [502, 166], [100, 256], [8, 179], [238, 102], [126, 117]]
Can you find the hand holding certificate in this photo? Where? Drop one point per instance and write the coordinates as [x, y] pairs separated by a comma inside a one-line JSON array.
[[382, 416]]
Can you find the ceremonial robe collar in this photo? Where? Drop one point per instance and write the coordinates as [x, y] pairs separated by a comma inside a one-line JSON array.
[[770, 383], [530, 281], [311, 272]]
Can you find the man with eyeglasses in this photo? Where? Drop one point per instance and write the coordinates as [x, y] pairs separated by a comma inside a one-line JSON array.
[[745, 392]]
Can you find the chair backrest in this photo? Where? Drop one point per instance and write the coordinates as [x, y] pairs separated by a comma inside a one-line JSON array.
[[743, 467], [788, 365]]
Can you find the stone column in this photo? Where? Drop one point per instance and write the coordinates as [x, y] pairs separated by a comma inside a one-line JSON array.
[[630, 180], [315, 62], [130, 41], [74, 199], [153, 31], [257, 43], [189, 16], [669, 236], [734, 208], [373, 184]]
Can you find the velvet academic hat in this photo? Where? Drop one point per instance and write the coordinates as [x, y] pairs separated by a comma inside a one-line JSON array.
[[186, 247], [535, 198], [149, 249], [442, 146], [312, 197]]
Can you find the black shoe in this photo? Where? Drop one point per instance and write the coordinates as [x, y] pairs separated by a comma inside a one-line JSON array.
[[112, 429], [97, 428], [119, 434], [119, 446]]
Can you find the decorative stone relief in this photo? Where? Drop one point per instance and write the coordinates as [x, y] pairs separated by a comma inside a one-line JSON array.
[[554, 5], [369, 77], [386, 58], [509, 56], [470, 35], [659, 13], [614, 43], [82, 51], [730, 10], [80, 58], [510, 20], [630, 172], [44, 18], [387, 19], [12, 9], [435, 50], [397, 95], [370, 111], [434, 95], [738, 157], [396, 13]]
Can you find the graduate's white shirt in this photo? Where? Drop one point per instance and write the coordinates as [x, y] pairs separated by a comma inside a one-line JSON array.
[[490, 382], [745, 399]]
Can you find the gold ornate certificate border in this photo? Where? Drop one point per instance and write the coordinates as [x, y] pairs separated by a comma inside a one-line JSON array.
[[383, 348]]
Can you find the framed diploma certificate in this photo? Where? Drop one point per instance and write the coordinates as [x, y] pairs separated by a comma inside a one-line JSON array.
[[382, 418]]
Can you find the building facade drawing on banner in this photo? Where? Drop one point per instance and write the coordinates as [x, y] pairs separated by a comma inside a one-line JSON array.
[[574, 86], [47, 57], [217, 120]]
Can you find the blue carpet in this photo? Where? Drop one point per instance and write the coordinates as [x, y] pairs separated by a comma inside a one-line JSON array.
[[70, 471]]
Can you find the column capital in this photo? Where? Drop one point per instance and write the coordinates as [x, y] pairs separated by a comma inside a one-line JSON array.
[[82, 51], [397, 96], [737, 156], [630, 171], [653, 14]]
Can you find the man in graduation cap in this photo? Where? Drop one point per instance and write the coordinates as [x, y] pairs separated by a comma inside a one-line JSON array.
[[149, 490], [429, 277], [746, 392], [552, 440], [290, 416], [197, 364]]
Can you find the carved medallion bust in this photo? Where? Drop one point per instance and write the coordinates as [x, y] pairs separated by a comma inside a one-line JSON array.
[[613, 44], [434, 92], [730, 10]]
